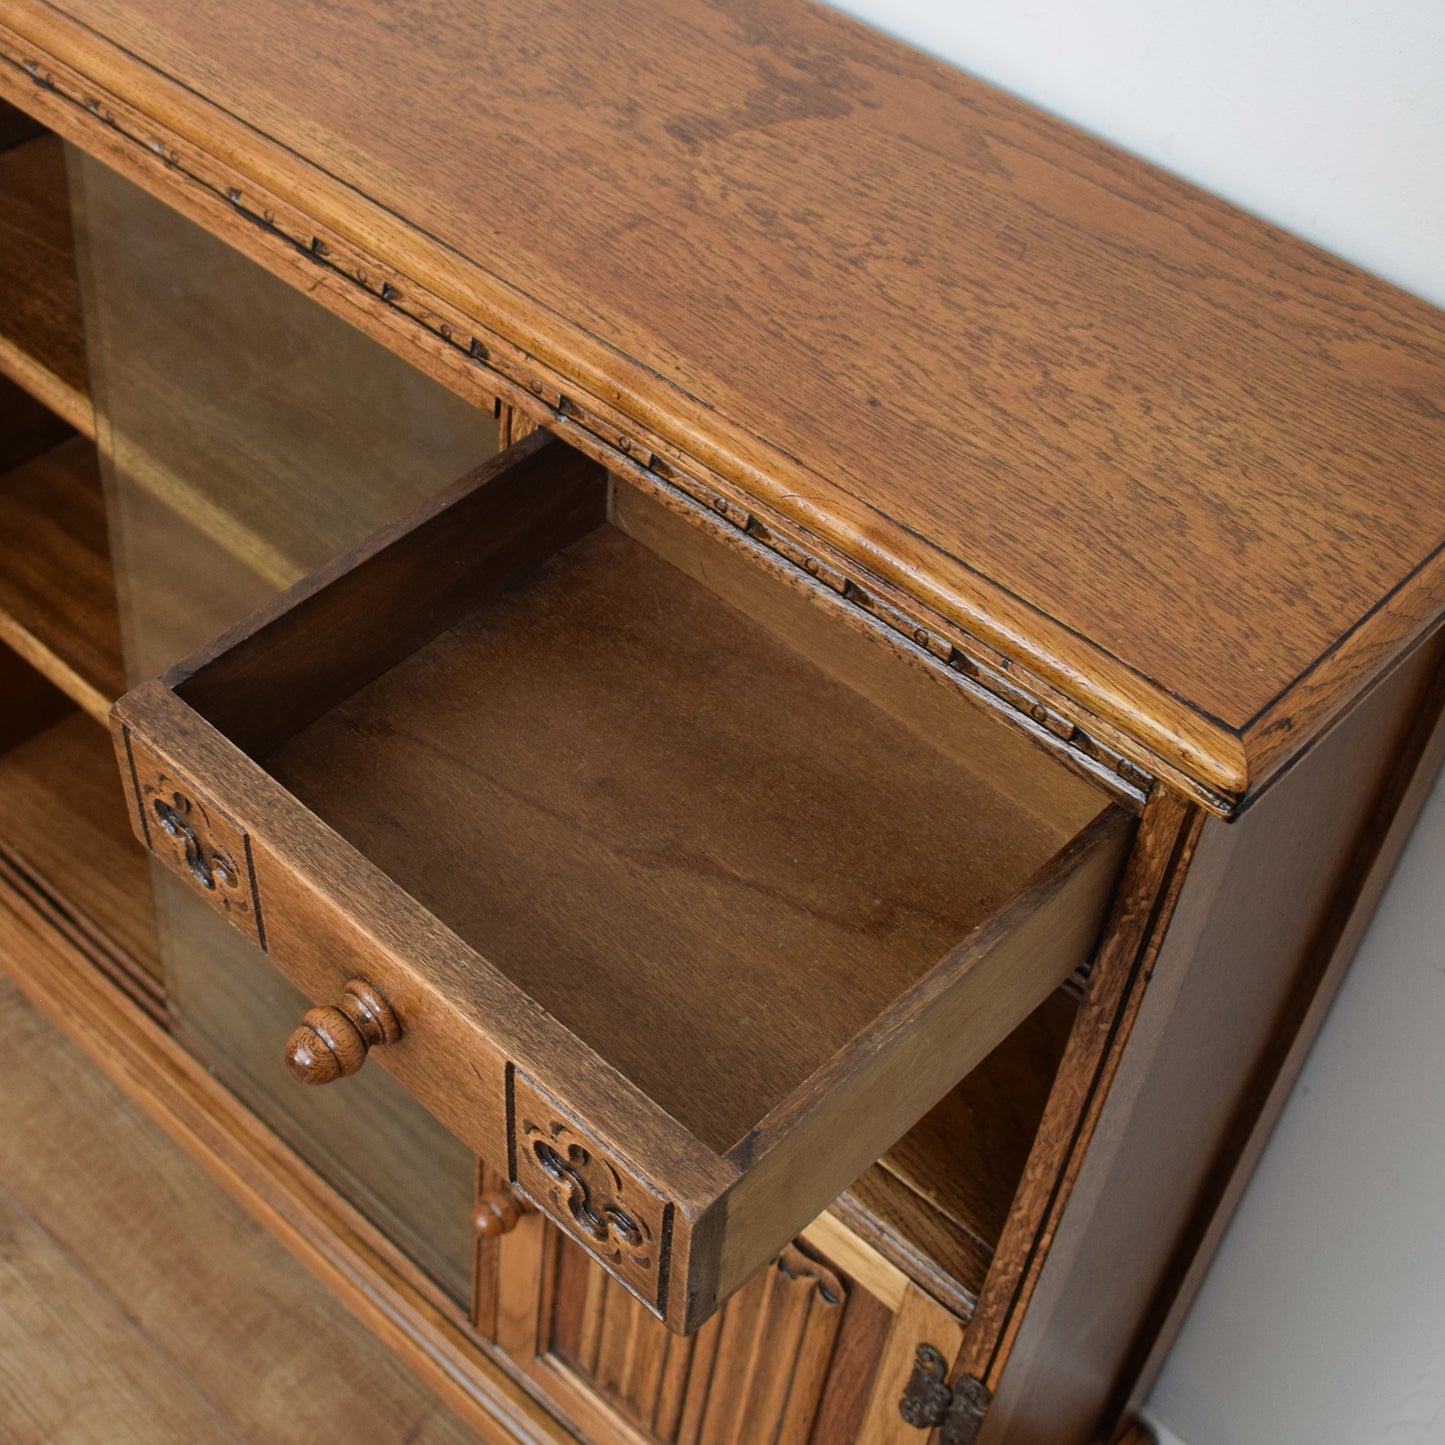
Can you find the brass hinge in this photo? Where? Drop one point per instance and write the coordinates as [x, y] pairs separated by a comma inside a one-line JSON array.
[[930, 1404]]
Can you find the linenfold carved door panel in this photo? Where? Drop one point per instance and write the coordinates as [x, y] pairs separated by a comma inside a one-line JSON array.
[[807, 1353], [756, 1373]]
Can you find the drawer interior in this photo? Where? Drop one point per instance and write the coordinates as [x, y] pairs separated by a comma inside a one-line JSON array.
[[711, 828]]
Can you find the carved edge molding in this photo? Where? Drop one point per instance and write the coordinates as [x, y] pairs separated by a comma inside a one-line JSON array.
[[977, 669], [620, 1220], [199, 842]]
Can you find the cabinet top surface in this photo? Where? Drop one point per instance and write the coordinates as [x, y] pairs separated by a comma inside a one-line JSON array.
[[1182, 467]]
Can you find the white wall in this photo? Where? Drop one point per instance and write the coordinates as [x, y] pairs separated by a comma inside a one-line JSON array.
[[1322, 1321]]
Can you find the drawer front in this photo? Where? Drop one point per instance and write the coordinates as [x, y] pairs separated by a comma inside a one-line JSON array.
[[620, 1220], [803, 1025], [334, 936], [208, 849]]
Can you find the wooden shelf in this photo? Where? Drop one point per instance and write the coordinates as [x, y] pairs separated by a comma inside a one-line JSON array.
[[63, 823], [57, 595], [42, 340]]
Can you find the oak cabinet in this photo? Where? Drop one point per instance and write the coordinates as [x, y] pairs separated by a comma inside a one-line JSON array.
[[801, 802]]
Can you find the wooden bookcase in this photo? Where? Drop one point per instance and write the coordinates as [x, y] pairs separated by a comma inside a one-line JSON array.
[[833, 943]]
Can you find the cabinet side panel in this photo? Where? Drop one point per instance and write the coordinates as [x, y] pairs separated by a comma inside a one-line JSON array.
[[1390, 829], [1235, 976]]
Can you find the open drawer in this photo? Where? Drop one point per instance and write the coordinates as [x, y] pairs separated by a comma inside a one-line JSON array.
[[647, 869]]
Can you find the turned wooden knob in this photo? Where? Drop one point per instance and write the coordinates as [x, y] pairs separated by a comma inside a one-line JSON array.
[[333, 1041], [497, 1213]]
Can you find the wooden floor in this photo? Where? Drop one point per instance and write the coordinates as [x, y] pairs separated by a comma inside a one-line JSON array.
[[138, 1303]]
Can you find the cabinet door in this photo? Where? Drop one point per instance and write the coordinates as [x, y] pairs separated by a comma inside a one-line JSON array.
[[816, 1350], [246, 437]]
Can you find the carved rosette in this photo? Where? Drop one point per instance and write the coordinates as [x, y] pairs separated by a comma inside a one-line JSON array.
[[200, 842], [619, 1220]]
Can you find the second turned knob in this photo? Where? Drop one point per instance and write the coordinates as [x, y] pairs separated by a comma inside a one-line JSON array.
[[497, 1213], [333, 1040]]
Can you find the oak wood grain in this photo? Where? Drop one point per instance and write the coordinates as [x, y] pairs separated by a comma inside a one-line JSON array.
[[497, 1212], [42, 340], [918, 1321], [512, 425], [327, 907], [836, 638], [651, 806], [354, 619], [755, 1376], [947, 1261], [57, 593], [883, 1232], [869, 1092], [463, 1020], [333, 1041], [711, 858], [854, 1376], [1141, 912], [967, 1155], [1064, 437], [432, 337], [791, 1359], [995, 346]]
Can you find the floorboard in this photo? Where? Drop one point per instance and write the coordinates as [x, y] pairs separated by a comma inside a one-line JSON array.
[[136, 1296], [72, 1366]]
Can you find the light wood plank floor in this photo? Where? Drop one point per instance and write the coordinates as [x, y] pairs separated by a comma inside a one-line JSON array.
[[139, 1303]]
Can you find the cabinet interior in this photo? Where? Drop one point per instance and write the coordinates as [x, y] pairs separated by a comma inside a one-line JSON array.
[[702, 691], [42, 343], [64, 836]]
